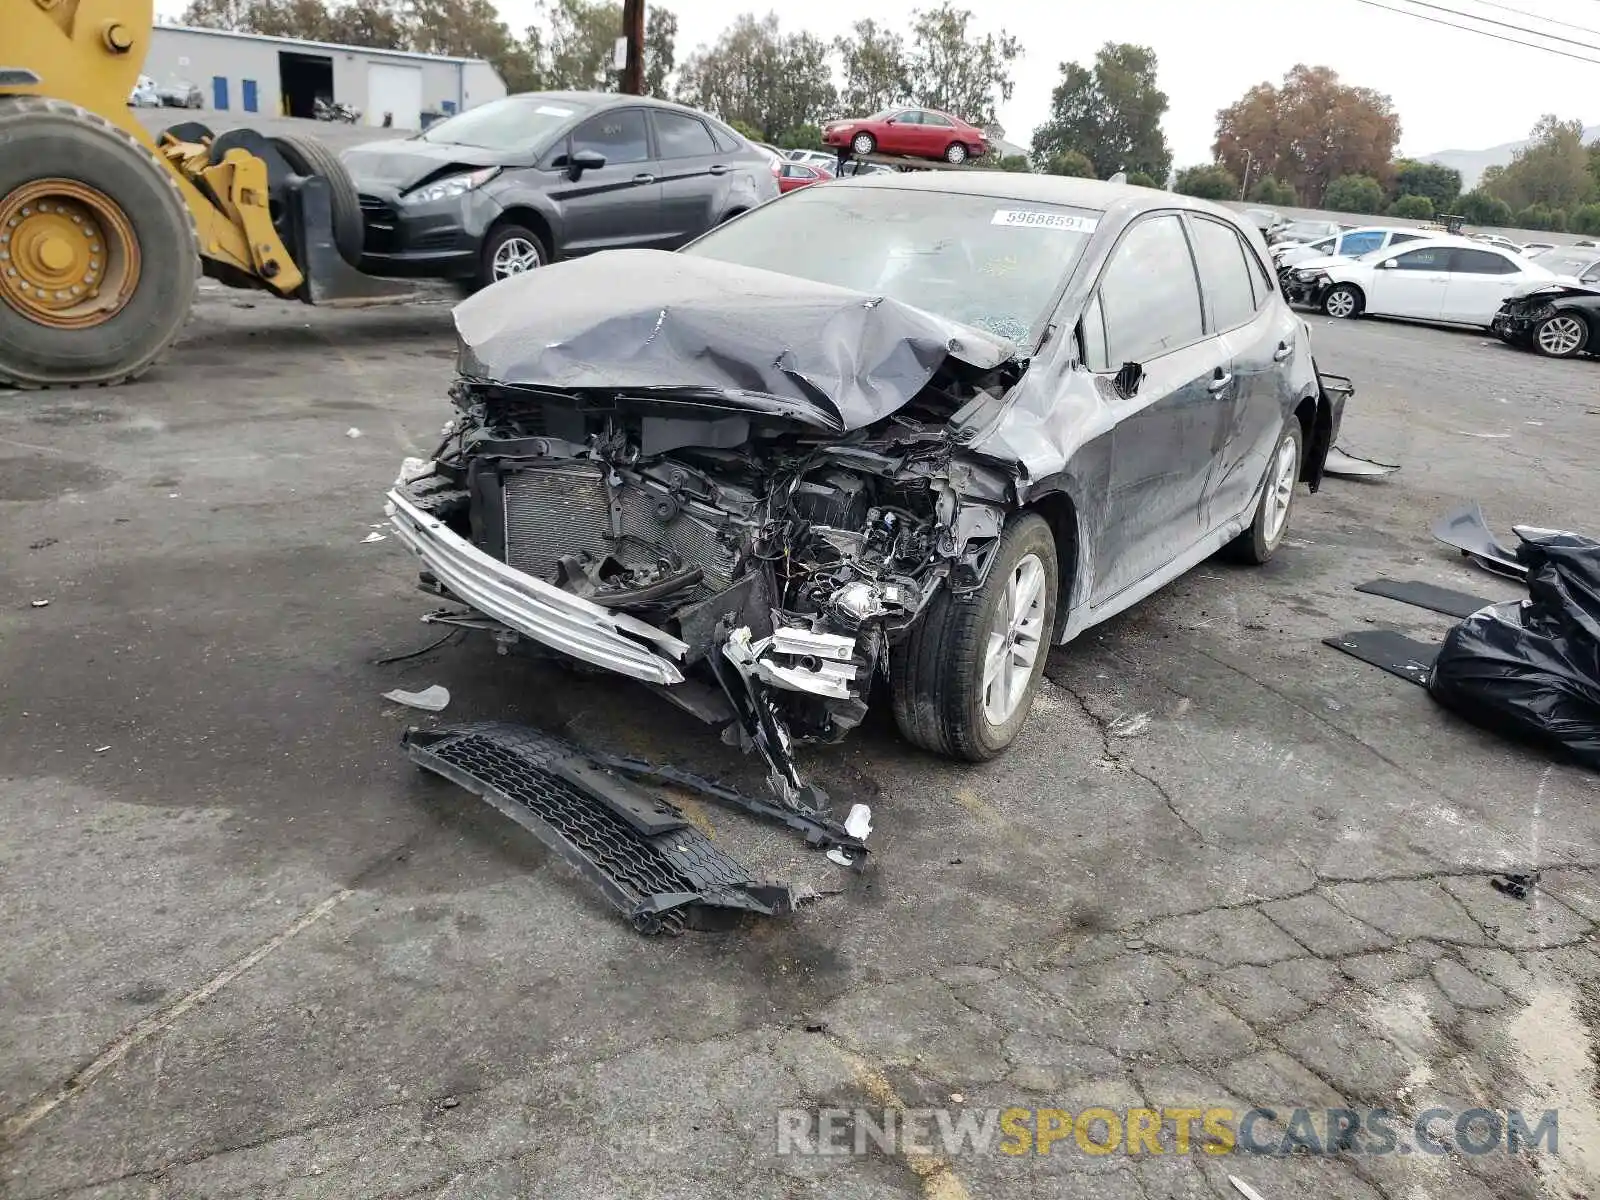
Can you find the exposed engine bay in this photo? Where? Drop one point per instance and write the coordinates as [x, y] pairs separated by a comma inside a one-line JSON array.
[[772, 562]]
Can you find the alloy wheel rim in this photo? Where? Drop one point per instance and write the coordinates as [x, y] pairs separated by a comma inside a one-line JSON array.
[[863, 144], [1341, 304], [1280, 493], [1014, 642], [1560, 335], [514, 256], [956, 154]]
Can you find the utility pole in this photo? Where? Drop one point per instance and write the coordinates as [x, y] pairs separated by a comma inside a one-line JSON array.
[[633, 35], [1245, 186]]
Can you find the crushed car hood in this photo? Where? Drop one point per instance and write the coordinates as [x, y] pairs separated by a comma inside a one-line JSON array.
[[401, 164], [660, 325], [1566, 285]]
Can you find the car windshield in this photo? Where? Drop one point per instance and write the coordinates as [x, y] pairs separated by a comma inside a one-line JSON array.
[[514, 123], [986, 261], [1563, 261]]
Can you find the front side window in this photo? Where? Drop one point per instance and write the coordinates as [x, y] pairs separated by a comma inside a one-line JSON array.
[[1434, 258], [678, 136], [1224, 273], [933, 118], [907, 118], [619, 135], [1149, 294]]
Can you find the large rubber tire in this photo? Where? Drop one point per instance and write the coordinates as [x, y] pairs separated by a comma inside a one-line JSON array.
[[1260, 542], [498, 237], [42, 138], [863, 144], [955, 154], [936, 674], [1562, 336], [307, 156], [1344, 300]]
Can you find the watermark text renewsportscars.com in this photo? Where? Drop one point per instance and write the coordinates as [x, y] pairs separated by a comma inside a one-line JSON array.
[[1099, 1131]]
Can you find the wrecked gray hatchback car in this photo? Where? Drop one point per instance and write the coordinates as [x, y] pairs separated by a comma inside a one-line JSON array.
[[915, 427]]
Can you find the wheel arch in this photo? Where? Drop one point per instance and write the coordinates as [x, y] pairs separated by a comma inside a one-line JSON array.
[[1060, 512], [531, 219], [1361, 292]]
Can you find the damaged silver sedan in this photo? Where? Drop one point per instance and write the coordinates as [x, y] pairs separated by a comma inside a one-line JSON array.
[[909, 428]]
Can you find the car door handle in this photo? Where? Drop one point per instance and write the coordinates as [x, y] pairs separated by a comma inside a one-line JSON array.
[[719, 169], [1220, 381], [1283, 351], [644, 177]]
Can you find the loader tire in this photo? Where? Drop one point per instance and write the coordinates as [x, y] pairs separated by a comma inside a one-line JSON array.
[[307, 156], [148, 264]]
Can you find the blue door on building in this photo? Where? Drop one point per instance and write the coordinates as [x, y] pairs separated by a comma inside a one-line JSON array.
[[219, 92], [247, 97]]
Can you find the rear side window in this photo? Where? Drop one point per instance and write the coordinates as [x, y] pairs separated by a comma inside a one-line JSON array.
[[1353, 244], [1224, 273], [1149, 296], [678, 136], [619, 135], [1405, 237], [725, 140], [1482, 262]]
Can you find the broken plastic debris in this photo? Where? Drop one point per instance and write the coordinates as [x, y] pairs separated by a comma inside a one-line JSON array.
[[101, 749], [40, 603], [413, 468], [1244, 1189], [372, 537], [432, 699], [352, 432], [858, 824]]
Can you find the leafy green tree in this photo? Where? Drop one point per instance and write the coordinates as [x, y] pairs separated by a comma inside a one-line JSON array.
[[1480, 208], [1552, 170], [1354, 194], [875, 70], [952, 69], [1110, 112], [755, 73], [1270, 190], [1013, 162], [1140, 179], [1585, 219], [1069, 162], [1440, 184], [660, 47], [1207, 182], [1413, 207]]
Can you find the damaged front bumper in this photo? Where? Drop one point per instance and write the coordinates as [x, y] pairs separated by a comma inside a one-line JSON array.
[[538, 610], [1303, 287]]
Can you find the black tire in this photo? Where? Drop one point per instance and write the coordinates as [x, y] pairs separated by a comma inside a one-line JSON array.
[[1357, 302], [1257, 544], [936, 673], [1545, 341], [308, 156], [955, 154], [46, 138], [863, 144], [498, 237]]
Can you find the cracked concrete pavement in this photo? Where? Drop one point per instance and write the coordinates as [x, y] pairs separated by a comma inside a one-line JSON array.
[[252, 952]]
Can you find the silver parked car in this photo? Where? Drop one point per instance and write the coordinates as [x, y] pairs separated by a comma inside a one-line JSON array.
[[999, 410]]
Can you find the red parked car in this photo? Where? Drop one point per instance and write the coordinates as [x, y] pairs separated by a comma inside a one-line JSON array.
[[913, 132], [793, 175]]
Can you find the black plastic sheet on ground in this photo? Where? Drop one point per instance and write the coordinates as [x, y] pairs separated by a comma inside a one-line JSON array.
[[1532, 669]]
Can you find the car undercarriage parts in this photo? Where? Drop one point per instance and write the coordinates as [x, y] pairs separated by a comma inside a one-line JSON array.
[[1389, 650], [1352, 466], [1467, 531], [1426, 595], [647, 859]]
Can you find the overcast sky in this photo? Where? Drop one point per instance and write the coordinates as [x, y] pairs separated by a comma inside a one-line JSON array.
[[1452, 90]]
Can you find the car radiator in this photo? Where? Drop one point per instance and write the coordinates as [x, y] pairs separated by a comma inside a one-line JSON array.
[[555, 511]]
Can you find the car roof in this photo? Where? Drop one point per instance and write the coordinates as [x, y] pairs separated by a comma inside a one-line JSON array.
[[1043, 189]]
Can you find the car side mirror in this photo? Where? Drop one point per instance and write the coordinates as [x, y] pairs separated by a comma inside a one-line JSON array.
[[1128, 379], [584, 160], [1387, 264]]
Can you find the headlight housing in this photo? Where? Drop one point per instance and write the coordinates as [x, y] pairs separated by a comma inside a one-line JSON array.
[[451, 185]]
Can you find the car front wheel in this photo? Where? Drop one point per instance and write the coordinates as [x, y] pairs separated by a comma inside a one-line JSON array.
[[1267, 530], [1561, 336], [863, 143], [510, 250], [1342, 301], [964, 679]]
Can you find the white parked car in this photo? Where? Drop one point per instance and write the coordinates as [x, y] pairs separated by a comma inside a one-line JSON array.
[[144, 94], [815, 158], [1353, 243], [1445, 279], [1533, 248]]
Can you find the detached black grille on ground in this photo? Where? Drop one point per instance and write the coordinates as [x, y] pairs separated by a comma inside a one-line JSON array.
[[643, 855]]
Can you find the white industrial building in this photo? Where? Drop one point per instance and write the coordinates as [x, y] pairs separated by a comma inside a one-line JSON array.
[[249, 72]]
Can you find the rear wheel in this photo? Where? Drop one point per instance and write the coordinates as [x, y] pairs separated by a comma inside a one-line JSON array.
[[1271, 523], [1561, 336], [98, 255], [307, 156], [863, 143], [964, 679], [955, 154]]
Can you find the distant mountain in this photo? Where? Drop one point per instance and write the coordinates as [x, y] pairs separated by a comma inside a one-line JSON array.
[[1473, 163]]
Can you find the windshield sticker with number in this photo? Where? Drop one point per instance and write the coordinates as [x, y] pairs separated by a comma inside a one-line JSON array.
[[1034, 219]]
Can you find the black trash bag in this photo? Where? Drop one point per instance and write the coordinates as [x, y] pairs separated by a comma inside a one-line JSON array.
[[1532, 670]]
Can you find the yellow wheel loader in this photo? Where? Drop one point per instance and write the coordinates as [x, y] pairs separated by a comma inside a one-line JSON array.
[[104, 231]]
